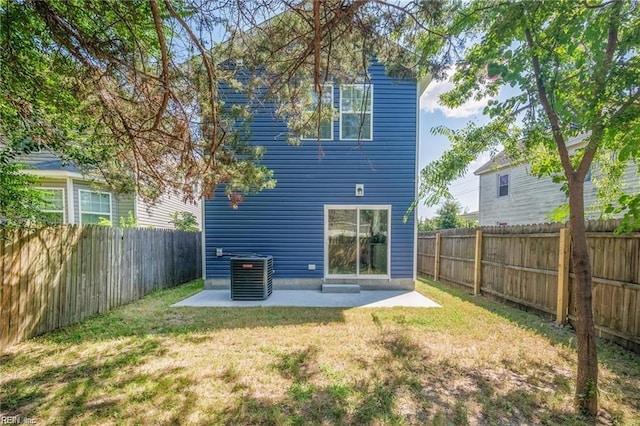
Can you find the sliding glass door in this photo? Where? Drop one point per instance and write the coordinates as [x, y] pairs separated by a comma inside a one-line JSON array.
[[357, 240]]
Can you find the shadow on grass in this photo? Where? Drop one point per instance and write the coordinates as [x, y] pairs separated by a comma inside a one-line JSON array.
[[624, 364], [402, 383], [530, 321], [404, 386], [153, 315], [69, 390], [73, 393]]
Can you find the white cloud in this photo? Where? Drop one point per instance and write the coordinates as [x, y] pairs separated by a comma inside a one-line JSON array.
[[430, 102]]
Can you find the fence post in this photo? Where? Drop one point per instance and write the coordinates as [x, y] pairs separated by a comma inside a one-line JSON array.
[[478, 264], [562, 307], [436, 268]]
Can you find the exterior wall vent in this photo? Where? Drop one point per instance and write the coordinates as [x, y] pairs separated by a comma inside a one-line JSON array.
[[251, 277]]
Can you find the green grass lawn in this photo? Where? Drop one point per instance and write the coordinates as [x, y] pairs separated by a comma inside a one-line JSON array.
[[471, 362]]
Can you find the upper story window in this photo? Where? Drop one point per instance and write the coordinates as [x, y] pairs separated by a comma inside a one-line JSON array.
[[503, 185], [54, 199], [356, 112], [94, 206], [321, 106]]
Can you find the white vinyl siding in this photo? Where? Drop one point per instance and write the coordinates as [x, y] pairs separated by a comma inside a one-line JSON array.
[[356, 112], [159, 215], [535, 198], [93, 206]]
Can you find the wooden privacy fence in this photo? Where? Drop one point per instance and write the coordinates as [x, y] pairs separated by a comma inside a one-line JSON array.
[[58, 276], [529, 266]]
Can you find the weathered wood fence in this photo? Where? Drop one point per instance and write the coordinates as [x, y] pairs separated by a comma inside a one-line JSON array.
[[59, 276], [528, 266]]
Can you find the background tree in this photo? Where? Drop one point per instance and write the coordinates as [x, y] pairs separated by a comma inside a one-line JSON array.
[[184, 221], [448, 215], [575, 70], [426, 224], [20, 203]]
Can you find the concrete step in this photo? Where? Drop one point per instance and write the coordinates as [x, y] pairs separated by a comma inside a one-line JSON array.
[[340, 288]]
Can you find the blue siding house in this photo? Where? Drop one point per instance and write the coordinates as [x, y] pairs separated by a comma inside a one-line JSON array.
[[336, 214]]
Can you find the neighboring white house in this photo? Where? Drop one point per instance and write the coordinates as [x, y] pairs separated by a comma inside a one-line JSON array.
[[76, 200], [510, 195]]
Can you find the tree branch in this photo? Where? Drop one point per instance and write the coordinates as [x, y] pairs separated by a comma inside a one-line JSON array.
[[551, 114], [211, 76], [599, 77], [157, 21]]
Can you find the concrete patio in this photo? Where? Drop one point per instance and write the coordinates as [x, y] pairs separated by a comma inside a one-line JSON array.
[[313, 298]]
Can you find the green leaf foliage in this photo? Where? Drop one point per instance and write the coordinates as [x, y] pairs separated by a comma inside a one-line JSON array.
[[20, 203], [184, 221], [572, 72], [129, 91], [561, 48]]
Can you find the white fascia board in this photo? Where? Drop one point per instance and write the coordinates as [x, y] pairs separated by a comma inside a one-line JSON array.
[[53, 173], [423, 83]]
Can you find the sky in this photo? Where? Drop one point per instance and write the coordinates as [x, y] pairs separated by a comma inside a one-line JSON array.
[[432, 114]]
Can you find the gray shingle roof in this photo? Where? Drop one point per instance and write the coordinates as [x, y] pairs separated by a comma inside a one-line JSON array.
[[46, 160], [499, 161], [502, 160]]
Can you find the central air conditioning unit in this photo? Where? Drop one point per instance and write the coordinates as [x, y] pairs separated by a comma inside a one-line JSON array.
[[251, 277]]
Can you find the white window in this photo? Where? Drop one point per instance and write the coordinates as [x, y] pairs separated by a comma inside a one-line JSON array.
[[503, 185], [54, 209], [324, 109], [94, 206], [356, 112]]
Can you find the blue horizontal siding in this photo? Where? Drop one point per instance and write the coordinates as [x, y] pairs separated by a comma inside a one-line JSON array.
[[288, 221]]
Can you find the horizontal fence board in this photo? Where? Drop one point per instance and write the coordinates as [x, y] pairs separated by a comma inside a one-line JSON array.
[[58, 276], [457, 259], [519, 301], [520, 268], [519, 264]]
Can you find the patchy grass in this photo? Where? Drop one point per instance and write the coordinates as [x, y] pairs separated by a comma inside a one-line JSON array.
[[471, 362]]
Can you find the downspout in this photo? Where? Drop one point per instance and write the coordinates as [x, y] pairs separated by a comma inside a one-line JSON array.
[[202, 240], [421, 86], [415, 187]]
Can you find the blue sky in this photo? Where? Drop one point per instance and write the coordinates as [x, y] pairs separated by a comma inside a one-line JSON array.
[[432, 114]]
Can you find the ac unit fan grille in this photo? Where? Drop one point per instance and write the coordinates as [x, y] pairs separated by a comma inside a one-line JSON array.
[[251, 278]]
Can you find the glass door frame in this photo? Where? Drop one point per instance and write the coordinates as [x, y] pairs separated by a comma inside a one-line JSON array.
[[357, 208]]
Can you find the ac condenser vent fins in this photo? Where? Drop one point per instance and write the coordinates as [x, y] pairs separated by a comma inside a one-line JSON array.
[[251, 277]]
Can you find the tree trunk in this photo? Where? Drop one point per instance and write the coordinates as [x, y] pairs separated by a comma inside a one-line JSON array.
[[586, 398]]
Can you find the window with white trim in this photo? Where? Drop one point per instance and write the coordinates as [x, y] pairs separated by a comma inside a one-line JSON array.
[[356, 112], [54, 204], [503, 185], [320, 106], [94, 206]]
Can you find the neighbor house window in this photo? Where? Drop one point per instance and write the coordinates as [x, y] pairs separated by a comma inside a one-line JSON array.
[[54, 208], [503, 185], [320, 106], [356, 112], [94, 206]]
